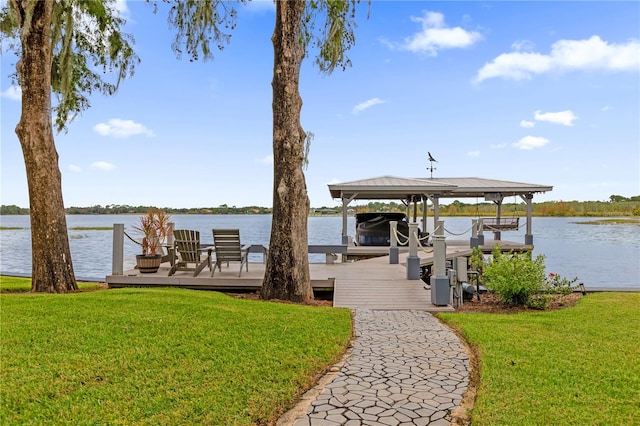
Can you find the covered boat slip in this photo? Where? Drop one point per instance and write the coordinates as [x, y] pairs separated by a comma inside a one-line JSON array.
[[416, 190]]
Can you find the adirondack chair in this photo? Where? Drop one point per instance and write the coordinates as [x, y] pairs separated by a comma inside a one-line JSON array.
[[186, 250], [228, 249]]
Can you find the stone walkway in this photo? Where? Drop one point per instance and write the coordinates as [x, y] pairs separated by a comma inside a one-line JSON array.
[[405, 369]]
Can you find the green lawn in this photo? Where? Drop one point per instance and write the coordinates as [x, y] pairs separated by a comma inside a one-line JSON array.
[[159, 356], [23, 285], [577, 366]]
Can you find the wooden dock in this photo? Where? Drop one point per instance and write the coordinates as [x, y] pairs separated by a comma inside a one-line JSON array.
[[370, 283]]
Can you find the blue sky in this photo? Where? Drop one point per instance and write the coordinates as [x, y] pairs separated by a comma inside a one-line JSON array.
[[537, 92]]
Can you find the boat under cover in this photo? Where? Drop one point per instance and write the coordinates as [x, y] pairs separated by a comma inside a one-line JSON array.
[[373, 229]]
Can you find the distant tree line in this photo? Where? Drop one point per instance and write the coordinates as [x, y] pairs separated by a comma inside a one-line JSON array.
[[126, 209], [617, 206]]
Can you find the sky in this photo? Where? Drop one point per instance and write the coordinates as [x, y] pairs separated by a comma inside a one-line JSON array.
[[536, 92]]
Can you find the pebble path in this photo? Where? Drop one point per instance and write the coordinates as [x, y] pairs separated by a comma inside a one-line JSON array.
[[405, 368]]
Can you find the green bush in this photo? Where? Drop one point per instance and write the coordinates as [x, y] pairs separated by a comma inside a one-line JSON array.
[[557, 284], [538, 301], [514, 277]]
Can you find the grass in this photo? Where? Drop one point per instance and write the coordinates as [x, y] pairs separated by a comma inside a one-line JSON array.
[[575, 366], [9, 228], [22, 285], [159, 356]]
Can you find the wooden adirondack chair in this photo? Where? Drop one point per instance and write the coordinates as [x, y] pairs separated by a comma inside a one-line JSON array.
[[228, 249], [186, 250]]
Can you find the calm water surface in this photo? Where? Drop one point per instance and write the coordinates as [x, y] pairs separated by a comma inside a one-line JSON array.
[[599, 255]]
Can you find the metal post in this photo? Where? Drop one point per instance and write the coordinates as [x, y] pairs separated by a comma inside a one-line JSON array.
[[117, 262], [474, 233], [413, 261], [393, 248]]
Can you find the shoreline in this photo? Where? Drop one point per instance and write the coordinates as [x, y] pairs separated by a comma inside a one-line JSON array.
[[594, 289]]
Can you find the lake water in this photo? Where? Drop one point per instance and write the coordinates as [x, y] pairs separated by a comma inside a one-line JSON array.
[[599, 255]]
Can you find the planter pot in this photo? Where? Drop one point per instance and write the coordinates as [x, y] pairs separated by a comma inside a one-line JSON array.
[[148, 264]]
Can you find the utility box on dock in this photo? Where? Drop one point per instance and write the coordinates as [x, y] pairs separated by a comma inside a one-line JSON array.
[[440, 290]]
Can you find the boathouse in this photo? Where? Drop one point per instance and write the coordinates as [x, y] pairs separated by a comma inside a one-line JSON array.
[[422, 190]]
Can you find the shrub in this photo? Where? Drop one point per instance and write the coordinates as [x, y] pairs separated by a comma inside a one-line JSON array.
[[514, 277], [557, 284], [538, 301]]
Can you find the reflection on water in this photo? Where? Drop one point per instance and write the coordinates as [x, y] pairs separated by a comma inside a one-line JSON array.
[[599, 255]]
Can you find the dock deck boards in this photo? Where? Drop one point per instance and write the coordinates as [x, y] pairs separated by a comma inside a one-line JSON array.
[[366, 284]]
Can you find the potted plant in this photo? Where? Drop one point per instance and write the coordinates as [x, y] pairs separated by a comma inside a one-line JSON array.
[[154, 228]]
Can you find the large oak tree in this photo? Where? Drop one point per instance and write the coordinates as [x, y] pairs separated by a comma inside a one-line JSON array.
[[324, 25], [61, 46]]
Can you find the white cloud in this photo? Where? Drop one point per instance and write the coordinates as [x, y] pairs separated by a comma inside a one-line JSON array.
[[119, 128], [102, 165], [531, 142], [527, 124], [74, 168], [606, 108], [367, 104], [498, 146], [473, 153], [13, 92], [266, 160], [516, 66], [566, 118], [435, 35], [565, 55]]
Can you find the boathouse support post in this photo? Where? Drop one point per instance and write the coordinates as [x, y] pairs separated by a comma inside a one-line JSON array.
[[393, 244], [424, 214], [440, 292], [117, 261], [480, 232], [497, 235], [436, 210], [474, 233], [408, 207], [345, 204], [528, 236], [413, 261]]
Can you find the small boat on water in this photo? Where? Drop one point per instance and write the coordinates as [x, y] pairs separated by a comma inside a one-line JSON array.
[[373, 229]]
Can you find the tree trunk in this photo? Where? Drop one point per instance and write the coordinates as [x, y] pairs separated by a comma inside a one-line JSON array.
[[52, 270], [287, 271]]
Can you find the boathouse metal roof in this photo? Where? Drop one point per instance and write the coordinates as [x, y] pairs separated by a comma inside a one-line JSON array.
[[393, 187]]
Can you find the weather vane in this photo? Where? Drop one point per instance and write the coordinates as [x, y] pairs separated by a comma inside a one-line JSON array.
[[431, 161]]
